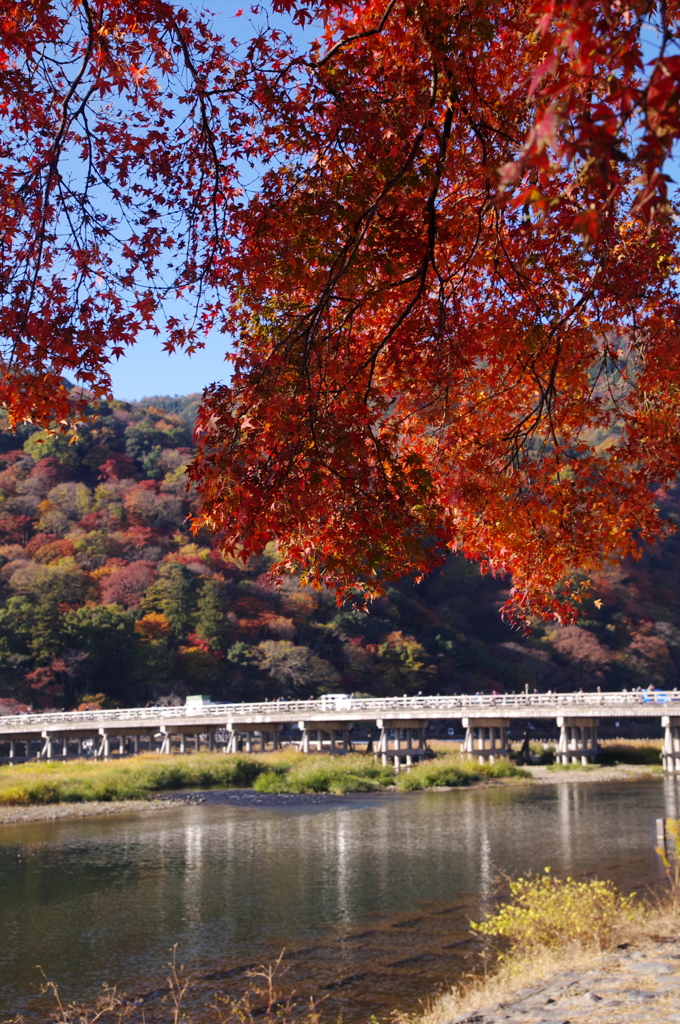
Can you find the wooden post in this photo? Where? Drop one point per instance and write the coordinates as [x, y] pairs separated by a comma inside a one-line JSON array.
[[661, 834]]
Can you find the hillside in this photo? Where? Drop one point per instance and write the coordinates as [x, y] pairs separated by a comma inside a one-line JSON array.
[[105, 597]]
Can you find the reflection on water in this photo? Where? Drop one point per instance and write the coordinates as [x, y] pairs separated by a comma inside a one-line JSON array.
[[370, 896]]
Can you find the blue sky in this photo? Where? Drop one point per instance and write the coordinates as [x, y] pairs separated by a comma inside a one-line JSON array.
[[147, 370]]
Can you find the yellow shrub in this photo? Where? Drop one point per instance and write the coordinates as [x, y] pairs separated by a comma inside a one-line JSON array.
[[548, 913]]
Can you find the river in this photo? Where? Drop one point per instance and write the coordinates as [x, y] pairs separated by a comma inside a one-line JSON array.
[[371, 896]]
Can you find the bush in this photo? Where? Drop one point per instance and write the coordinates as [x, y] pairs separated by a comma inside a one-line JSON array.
[[327, 775], [452, 771], [547, 913]]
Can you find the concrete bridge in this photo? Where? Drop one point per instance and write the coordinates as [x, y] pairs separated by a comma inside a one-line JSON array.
[[325, 724]]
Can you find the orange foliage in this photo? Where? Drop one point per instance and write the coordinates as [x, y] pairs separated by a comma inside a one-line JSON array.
[[153, 626], [455, 277]]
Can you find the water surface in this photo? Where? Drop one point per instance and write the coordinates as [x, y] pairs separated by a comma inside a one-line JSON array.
[[371, 896]]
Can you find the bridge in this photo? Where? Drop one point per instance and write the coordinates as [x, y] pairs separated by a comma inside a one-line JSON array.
[[325, 724]]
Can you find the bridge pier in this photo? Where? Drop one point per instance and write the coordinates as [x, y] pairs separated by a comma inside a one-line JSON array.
[[485, 738], [196, 735], [47, 751], [670, 753], [391, 749], [166, 742], [104, 749], [248, 729], [578, 740], [338, 732], [232, 742]]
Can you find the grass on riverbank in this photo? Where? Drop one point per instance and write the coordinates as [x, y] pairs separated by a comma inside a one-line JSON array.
[[457, 771], [319, 773], [360, 773], [139, 778], [134, 778]]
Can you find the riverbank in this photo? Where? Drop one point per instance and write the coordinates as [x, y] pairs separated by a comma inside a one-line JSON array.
[[564, 951], [14, 814], [145, 776], [150, 803], [639, 984]]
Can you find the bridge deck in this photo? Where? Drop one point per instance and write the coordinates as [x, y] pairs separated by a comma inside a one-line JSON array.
[[645, 704]]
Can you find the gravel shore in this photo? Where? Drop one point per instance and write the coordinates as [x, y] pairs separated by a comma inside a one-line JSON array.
[[47, 812], [593, 773], [629, 986]]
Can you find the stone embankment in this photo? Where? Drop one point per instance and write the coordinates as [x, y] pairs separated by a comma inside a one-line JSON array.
[[631, 985]]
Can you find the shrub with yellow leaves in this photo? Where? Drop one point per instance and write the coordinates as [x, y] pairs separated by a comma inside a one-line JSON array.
[[548, 913]]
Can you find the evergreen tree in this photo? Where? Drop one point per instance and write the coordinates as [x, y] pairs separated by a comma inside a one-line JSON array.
[[172, 594], [212, 625]]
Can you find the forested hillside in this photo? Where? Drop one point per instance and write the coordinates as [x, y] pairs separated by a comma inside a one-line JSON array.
[[106, 598]]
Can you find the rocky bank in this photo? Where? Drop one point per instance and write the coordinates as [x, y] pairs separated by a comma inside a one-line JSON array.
[[631, 985]]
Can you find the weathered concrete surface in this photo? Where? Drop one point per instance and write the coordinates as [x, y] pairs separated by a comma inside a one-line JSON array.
[[630, 986]]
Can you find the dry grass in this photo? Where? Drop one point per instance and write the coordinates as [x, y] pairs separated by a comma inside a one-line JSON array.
[[455, 770], [501, 978], [283, 771], [657, 744], [478, 991], [131, 778], [503, 983], [445, 746]]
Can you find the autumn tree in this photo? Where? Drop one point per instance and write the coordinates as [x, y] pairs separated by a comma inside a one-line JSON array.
[[440, 237], [295, 668]]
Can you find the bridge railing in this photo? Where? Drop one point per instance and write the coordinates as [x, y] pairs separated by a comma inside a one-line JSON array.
[[375, 706]]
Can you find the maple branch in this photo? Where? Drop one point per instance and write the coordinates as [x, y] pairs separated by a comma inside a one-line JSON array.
[[52, 170], [357, 35]]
